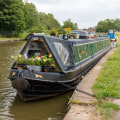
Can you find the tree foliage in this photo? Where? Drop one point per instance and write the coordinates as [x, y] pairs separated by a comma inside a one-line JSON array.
[[32, 18], [48, 21], [16, 16], [12, 16], [39, 21], [69, 24], [104, 26]]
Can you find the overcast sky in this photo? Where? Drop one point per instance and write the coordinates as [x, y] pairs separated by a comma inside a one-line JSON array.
[[86, 13]]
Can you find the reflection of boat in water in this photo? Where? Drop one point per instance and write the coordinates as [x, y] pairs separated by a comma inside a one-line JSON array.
[[39, 109], [73, 58]]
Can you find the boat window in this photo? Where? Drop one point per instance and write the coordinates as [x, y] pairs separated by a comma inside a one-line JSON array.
[[63, 53], [36, 48]]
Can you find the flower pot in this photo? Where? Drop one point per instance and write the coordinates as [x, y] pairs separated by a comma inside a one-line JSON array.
[[29, 67], [47, 69], [35, 68], [52, 34]]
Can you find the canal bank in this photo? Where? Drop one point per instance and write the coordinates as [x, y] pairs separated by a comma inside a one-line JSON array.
[[82, 106], [10, 40]]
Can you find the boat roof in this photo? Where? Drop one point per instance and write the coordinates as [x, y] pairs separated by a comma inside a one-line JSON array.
[[81, 32]]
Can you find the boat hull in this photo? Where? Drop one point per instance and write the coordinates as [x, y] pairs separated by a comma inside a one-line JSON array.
[[36, 89]]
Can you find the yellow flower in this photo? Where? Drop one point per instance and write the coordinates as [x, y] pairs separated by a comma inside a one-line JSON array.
[[20, 55], [36, 57], [22, 59], [50, 55], [44, 60], [31, 58]]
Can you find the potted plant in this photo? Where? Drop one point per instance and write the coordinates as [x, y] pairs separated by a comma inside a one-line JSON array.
[[48, 63], [61, 33], [35, 63], [19, 60], [53, 32]]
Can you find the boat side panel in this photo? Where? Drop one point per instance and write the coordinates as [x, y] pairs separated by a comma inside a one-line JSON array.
[[83, 51], [83, 67]]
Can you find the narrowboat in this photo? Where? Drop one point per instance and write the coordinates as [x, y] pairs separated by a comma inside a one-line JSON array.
[[113, 38], [71, 58]]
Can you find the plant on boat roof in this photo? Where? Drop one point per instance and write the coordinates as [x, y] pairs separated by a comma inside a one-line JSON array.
[[53, 31], [46, 60], [68, 31], [61, 31]]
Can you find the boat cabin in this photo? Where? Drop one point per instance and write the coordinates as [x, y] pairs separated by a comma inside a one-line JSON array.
[[66, 55]]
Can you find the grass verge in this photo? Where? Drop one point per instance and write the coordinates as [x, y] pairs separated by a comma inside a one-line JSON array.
[[20, 36], [107, 86]]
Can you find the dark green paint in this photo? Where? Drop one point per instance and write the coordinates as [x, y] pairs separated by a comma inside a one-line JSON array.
[[84, 51]]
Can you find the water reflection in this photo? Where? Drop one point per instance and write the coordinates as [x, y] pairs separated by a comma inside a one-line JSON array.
[[11, 106], [47, 109], [7, 93]]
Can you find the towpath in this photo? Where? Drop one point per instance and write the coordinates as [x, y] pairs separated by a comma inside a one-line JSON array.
[[85, 109]]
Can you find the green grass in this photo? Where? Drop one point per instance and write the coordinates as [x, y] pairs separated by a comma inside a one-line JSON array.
[[20, 36], [107, 86], [5, 38], [23, 35], [107, 109]]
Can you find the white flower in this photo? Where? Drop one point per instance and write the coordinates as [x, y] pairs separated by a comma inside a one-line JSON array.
[[25, 55], [12, 57], [39, 58], [33, 59]]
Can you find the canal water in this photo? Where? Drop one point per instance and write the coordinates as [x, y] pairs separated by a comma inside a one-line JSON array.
[[11, 106]]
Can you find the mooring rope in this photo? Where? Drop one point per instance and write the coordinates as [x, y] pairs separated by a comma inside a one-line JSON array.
[[74, 88]]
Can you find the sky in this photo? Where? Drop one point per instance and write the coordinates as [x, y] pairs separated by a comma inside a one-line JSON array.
[[86, 13]]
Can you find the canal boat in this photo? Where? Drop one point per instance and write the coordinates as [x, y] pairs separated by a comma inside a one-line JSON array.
[[113, 38], [72, 58]]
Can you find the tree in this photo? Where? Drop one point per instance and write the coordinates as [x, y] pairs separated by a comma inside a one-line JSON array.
[[12, 16], [48, 21], [69, 24], [117, 24], [109, 24], [32, 18], [100, 27], [104, 26]]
